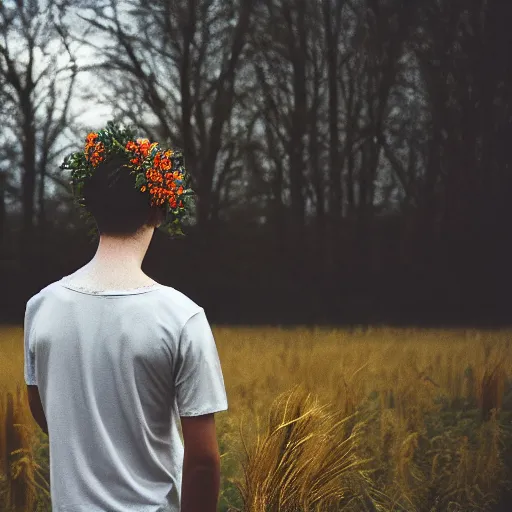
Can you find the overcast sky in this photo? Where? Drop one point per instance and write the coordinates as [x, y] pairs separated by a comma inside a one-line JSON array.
[[93, 114]]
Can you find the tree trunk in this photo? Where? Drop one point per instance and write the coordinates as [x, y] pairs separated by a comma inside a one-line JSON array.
[[331, 27], [27, 255], [3, 186]]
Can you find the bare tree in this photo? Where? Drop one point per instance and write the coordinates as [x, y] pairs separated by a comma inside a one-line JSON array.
[[387, 24], [181, 64], [36, 112], [332, 10], [288, 63], [461, 54]]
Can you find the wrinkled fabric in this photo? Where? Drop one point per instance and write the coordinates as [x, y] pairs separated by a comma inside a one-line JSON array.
[[115, 371]]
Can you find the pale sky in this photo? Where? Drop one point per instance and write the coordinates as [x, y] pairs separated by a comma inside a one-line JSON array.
[[95, 115]]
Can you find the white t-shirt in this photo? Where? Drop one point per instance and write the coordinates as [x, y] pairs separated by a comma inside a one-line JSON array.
[[115, 371]]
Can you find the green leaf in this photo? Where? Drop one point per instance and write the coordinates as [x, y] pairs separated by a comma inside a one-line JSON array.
[[140, 180]]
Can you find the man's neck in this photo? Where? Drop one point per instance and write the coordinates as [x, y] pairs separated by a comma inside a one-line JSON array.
[[99, 274]]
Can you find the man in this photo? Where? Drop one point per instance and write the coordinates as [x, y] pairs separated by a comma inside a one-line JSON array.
[[112, 359]]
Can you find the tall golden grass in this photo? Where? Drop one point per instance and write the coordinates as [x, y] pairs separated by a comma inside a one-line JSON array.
[[24, 483], [383, 420]]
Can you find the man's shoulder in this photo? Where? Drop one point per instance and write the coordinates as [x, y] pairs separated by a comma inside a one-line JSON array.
[[178, 300], [36, 299]]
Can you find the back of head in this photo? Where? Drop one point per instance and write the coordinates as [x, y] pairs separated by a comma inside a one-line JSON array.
[[118, 207]]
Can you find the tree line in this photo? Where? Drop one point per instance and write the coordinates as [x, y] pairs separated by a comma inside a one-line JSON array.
[[350, 157]]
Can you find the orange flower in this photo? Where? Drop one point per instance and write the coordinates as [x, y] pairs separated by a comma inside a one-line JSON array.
[[91, 137], [165, 164], [180, 190], [96, 159], [143, 147], [143, 188], [131, 146]]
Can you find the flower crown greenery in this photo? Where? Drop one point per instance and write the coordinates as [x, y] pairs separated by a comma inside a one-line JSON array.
[[160, 173]]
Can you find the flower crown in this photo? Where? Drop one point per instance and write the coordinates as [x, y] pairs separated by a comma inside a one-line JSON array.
[[160, 173]]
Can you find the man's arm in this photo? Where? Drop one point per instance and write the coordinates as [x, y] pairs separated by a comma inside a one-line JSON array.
[[36, 407], [200, 484]]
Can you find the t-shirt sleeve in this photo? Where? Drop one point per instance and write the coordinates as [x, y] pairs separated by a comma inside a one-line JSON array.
[[199, 383], [29, 344]]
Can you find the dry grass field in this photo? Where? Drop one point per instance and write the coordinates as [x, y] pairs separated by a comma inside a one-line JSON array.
[[327, 420]]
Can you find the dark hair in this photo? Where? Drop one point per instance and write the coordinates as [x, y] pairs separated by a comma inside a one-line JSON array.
[[117, 206]]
